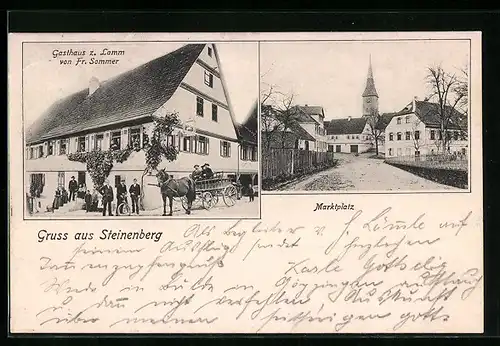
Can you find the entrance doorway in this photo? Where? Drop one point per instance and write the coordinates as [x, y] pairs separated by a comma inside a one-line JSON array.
[[82, 177], [354, 149]]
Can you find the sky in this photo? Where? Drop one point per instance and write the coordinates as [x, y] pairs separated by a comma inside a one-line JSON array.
[[45, 81], [333, 74]]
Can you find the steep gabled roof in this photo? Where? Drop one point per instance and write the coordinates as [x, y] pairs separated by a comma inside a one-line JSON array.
[[428, 113], [312, 110], [301, 132], [301, 116], [136, 93], [247, 131], [384, 120], [345, 126]]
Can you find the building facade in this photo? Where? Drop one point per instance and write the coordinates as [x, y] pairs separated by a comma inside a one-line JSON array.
[[119, 113], [416, 131]]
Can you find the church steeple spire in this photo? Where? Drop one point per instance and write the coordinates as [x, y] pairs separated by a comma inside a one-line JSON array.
[[370, 95], [370, 89]]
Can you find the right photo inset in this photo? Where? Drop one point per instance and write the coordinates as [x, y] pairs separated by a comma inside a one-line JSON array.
[[365, 116]]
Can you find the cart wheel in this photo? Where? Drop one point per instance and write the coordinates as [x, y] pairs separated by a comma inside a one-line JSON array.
[[230, 195], [207, 200], [184, 202]]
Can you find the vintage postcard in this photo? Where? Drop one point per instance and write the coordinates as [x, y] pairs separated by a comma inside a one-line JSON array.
[[245, 183]]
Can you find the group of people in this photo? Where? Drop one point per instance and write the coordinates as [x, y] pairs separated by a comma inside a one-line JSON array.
[[203, 172], [121, 196]]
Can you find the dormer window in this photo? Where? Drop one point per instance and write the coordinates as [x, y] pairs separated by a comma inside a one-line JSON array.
[[209, 51], [209, 79], [398, 121]]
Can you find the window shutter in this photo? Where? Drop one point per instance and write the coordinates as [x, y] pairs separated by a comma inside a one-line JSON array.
[[228, 149], [106, 142], [124, 139], [220, 149], [91, 143], [208, 145], [87, 143]]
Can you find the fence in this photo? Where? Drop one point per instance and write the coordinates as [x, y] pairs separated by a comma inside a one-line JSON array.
[[279, 162], [457, 161]]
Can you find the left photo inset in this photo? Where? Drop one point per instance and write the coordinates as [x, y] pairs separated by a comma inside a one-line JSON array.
[[141, 129]]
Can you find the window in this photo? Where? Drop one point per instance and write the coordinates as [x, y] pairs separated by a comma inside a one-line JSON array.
[[399, 152], [32, 153], [254, 154], [417, 135], [390, 151], [433, 134], [399, 136], [116, 140], [398, 121], [357, 137], [199, 106], [186, 144], [63, 146], [134, 136], [455, 135], [214, 112], [391, 136], [225, 149], [209, 51], [407, 119], [209, 79], [99, 138], [347, 136], [81, 144], [50, 148], [40, 151], [407, 135], [60, 179], [202, 145], [244, 151]]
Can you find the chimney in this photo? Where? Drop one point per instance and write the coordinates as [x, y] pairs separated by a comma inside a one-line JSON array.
[[414, 106], [93, 85]]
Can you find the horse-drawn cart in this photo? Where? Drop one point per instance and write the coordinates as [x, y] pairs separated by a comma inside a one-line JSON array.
[[209, 191]]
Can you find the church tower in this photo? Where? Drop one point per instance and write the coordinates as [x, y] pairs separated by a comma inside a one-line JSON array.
[[370, 96]]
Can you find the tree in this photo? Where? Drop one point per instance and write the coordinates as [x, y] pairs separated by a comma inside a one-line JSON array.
[[278, 114], [416, 136], [157, 148], [376, 130], [450, 93]]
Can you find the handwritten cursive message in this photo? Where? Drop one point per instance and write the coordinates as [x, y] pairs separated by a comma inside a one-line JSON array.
[[368, 268]]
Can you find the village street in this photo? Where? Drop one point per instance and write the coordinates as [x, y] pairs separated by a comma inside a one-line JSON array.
[[242, 209], [363, 173]]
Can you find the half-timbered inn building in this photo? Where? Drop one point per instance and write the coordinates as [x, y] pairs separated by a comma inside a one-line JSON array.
[[118, 113]]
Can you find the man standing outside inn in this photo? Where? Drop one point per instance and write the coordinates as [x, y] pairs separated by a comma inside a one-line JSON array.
[[107, 198], [73, 188], [135, 192]]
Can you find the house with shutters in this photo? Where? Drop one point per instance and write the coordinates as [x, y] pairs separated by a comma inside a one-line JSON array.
[[416, 131], [119, 112], [304, 129]]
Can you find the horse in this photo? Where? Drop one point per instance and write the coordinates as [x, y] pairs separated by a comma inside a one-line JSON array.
[[171, 188]]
